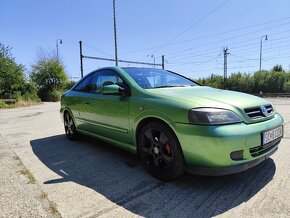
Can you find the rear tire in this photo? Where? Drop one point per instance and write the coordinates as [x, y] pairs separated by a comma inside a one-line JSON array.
[[160, 151], [70, 128]]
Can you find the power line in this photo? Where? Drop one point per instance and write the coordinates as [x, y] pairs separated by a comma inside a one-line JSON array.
[[194, 24], [248, 59], [212, 35], [235, 37], [234, 30], [99, 50], [190, 55]]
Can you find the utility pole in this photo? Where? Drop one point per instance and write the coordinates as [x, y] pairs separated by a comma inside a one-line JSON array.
[[81, 58], [163, 62], [225, 66], [261, 43], [115, 33]]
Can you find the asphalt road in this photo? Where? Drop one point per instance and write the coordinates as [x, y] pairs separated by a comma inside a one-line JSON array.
[[90, 178]]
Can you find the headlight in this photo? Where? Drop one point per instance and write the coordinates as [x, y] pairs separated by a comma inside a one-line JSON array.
[[212, 116]]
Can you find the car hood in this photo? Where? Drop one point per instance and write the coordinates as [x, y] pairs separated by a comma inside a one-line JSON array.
[[202, 96]]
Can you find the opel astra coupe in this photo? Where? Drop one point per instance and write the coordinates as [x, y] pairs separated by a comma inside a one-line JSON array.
[[174, 124]]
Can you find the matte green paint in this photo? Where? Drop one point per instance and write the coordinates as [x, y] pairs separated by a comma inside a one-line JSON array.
[[114, 119]]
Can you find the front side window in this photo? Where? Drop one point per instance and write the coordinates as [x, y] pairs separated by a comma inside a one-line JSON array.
[[156, 78], [107, 78], [95, 82], [86, 85]]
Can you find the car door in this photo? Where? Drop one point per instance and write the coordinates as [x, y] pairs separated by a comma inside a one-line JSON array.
[[77, 101], [107, 115]]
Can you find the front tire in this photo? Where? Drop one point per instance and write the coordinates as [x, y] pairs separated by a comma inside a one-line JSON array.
[[160, 152], [70, 128]]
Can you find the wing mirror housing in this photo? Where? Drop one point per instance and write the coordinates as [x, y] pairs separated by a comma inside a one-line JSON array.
[[112, 89]]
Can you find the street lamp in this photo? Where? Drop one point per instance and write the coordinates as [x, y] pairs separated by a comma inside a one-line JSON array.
[[261, 42], [60, 42], [152, 56]]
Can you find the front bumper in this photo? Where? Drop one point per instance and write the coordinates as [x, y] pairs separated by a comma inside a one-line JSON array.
[[205, 171], [211, 146]]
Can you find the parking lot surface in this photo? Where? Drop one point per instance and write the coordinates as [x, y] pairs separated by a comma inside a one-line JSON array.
[[90, 178]]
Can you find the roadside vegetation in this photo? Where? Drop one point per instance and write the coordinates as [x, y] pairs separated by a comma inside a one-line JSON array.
[[46, 80], [48, 73], [29, 176], [13, 84], [276, 80]]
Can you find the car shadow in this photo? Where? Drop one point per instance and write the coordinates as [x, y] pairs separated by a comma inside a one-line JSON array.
[[118, 175]]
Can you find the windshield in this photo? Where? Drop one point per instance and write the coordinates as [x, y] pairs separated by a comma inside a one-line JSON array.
[[149, 78]]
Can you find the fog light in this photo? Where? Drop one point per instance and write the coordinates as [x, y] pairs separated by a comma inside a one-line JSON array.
[[237, 155]]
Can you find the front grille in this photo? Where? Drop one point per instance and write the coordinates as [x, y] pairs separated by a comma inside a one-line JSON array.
[[256, 112], [262, 149]]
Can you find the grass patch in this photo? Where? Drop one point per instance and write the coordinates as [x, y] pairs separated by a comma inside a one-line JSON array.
[[43, 195], [3, 105], [18, 103], [25, 103], [15, 157], [53, 207], [29, 176]]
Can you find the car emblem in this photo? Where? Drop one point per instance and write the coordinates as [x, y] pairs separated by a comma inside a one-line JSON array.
[[264, 111]]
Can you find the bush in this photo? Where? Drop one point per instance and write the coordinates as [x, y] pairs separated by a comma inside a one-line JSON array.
[[3, 105], [49, 75], [54, 96], [265, 81], [287, 87], [69, 85], [30, 92]]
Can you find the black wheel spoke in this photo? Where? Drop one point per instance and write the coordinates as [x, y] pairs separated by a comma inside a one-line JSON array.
[[162, 138], [167, 159], [149, 135], [147, 150], [66, 120], [157, 161]]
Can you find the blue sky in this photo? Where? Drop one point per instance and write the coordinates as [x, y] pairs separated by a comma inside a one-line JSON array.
[[190, 33]]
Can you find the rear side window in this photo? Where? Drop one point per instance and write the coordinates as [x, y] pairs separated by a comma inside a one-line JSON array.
[[86, 85]]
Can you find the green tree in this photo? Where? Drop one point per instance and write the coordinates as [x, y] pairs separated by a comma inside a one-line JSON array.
[[49, 75], [278, 68], [12, 79]]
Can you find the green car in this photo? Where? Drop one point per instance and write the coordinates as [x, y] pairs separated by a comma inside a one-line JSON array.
[[174, 124]]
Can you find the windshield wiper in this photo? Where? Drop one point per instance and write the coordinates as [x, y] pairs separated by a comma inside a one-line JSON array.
[[169, 86]]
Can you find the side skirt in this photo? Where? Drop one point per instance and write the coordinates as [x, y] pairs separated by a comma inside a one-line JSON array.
[[125, 146]]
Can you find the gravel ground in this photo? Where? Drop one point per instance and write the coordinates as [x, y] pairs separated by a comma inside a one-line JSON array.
[[20, 195], [90, 178]]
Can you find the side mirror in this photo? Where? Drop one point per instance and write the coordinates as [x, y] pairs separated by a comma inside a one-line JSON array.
[[111, 89]]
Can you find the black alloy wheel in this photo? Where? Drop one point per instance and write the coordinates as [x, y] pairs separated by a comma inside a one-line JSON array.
[[160, 151], [69, 127]]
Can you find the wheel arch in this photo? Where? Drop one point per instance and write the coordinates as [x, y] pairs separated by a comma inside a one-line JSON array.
[[147, 120], [67, 110]]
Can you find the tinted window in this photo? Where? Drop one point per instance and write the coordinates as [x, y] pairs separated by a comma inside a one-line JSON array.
[[156, 78], [107, 78], [94, 82], [86, 85]]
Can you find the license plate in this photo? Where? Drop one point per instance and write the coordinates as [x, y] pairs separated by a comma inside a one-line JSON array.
[[272, 135]]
